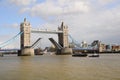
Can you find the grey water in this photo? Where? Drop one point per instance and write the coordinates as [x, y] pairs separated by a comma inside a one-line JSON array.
[[60, 67]]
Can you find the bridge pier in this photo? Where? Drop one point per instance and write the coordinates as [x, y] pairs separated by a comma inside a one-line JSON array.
[[26, 52], [64, 51], [26, 49]]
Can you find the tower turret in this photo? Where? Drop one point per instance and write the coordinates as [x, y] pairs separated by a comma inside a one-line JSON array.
[[63, 37]]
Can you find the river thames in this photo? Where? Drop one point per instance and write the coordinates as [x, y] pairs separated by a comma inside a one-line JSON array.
[[60, 67]]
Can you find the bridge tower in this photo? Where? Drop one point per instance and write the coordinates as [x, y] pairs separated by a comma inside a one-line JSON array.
[[25, 44], [63, 39]]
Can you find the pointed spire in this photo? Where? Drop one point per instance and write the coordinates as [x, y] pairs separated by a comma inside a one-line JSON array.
[[62, 23], [24, 19]]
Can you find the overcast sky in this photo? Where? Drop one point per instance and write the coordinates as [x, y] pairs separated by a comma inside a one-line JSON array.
[[87, 20]]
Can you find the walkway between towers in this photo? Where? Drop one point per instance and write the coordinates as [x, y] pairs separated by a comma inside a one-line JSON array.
[[27, 50]]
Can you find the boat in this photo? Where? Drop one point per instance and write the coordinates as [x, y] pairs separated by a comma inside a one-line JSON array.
[[39, 53], [1, 54], [79, 55], [94, 55]]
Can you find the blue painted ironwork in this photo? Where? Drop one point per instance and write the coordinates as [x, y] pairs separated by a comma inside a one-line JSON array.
[[74, 41], [93, 46], [10, 40]]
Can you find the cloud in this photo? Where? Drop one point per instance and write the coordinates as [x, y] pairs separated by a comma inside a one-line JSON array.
[[16, 25], [104, 2], [58, 7], [102, 25], [8, 31], [13, 25], [22, 2], [86, 21]]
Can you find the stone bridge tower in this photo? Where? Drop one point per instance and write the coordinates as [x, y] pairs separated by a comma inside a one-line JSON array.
[[63, 37], [63, 40], [26, 49]]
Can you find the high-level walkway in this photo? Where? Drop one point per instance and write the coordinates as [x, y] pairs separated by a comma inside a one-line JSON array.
[[46, 31]]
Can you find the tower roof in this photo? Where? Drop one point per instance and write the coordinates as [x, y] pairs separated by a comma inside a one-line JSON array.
[[24, 19]]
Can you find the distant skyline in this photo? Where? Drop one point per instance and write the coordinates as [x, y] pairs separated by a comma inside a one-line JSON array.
[[87, 20]]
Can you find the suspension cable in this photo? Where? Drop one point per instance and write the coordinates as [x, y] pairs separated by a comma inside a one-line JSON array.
[[10, 40]]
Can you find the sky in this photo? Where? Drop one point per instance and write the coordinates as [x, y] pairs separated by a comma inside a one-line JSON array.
[[87, 20]]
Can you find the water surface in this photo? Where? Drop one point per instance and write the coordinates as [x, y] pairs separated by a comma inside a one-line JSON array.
[[62, 67]]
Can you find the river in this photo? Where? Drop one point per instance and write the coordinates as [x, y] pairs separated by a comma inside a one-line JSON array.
[[60, 67]]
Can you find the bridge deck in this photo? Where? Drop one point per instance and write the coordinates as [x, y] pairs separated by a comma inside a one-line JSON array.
[[45, 31]]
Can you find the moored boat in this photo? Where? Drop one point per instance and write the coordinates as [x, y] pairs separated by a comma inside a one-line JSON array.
[[79, 55], [1, 54]]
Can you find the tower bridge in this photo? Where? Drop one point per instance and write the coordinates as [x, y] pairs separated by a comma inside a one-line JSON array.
[[62, 45], [25, 42]]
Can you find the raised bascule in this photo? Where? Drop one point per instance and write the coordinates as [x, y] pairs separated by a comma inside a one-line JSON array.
[[25, 42]]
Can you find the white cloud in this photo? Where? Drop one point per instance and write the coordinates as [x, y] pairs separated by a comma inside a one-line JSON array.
[[8, 31], [86, 20], [22, 2], [14, 25], [104, 2], [58, 7], [24, 10], [103, 25]]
